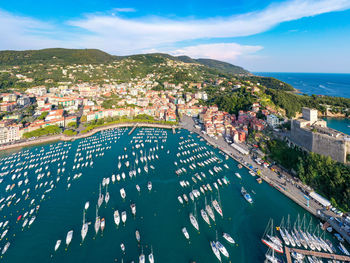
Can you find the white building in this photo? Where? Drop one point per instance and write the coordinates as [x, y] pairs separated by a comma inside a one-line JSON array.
[[272, 120]]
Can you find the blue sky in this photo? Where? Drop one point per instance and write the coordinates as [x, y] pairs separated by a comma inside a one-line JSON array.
[[281, 36]]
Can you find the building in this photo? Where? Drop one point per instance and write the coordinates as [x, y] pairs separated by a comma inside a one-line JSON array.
[[9, 132], [23, 101], [272, 120], [313, 135]]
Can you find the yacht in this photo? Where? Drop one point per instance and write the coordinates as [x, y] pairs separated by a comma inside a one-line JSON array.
[[222, 249], [246, 196], [103, 224], [122, 193], [116, 217], [151, 257], [205, 216], [184, 231], [58, 243], [97, 222], [133, 209], [228, 238], [149, 186], [84, 228], [216, 251], [124, 217], [194, 221], [137, 234], [69, 237]]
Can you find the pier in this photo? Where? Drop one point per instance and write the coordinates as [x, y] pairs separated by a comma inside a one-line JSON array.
[[173, 128], [133, 128], [314, 253]]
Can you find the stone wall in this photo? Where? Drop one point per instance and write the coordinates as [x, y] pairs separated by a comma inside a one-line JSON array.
[[329, 146], [300, 136], [319, 143]]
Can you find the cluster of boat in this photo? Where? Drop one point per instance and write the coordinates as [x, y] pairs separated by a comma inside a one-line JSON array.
[[299, 235], [200, 157]]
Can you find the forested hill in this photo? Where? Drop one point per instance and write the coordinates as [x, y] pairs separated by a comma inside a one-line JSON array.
[[54, 56], [95, 56]]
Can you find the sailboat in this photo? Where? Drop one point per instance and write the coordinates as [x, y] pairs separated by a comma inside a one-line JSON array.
[[193, 219], [100, 198], [270, 256], [216, 205], [57, 245], [228, 238], [270, 239], [97, 222], [84, 228], [150, 256], [205, 216], [215, 250], [209, 210]]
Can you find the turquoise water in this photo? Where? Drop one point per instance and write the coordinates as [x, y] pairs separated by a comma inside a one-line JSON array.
[[315, 83], [159, 218], [339, 124]]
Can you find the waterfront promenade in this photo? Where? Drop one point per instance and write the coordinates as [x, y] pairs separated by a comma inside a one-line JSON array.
[[285, 185], [62, 137]]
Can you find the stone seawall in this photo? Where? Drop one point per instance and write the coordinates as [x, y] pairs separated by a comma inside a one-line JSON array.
[[62, 137]]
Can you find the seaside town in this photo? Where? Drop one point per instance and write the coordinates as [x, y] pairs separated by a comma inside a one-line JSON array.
[[256, 133]]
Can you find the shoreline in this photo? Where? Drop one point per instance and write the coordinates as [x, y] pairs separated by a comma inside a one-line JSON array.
[[62, 137], [287, 188]]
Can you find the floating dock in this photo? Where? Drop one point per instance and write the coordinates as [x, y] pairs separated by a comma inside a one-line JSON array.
[[314, 253], [133, 128]]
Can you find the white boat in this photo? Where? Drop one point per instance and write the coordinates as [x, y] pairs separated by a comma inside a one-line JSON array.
[[216, 251], [122, 193], [194, 221], [228, 238], [238, 175], [149, 186], [205, 216], [58, 243], [5, 248], [142, 258], [100, 198], [124, 217], [87, 204], [217, 207], [97, 222], [103, 224], [222, 249], [133, 209], [151, 257], [84, 228], [69, 237], [180, 199], [116, 217], [107, 196], [184, 231], [138, 188]]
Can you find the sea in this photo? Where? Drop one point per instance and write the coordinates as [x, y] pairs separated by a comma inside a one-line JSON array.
[[58, 205], [320, 84]]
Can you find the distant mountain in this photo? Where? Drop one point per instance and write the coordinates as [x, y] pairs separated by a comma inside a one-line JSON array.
[[95, 56]]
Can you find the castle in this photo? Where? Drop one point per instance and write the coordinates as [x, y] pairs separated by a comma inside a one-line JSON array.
[[312, 134]]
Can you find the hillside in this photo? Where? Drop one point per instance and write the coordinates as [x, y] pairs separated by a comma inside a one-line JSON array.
[[54, 56], [95, 56]]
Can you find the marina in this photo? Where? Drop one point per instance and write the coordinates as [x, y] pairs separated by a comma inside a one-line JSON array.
[[64, 188]]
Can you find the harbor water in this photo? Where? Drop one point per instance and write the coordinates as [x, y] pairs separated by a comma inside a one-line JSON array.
[[159, 218]]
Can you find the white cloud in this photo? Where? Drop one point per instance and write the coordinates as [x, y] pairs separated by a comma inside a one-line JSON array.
[[229, 52], [119, 35], [124, 10]]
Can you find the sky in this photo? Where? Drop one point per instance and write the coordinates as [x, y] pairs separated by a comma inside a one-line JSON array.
[[267, 36]]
